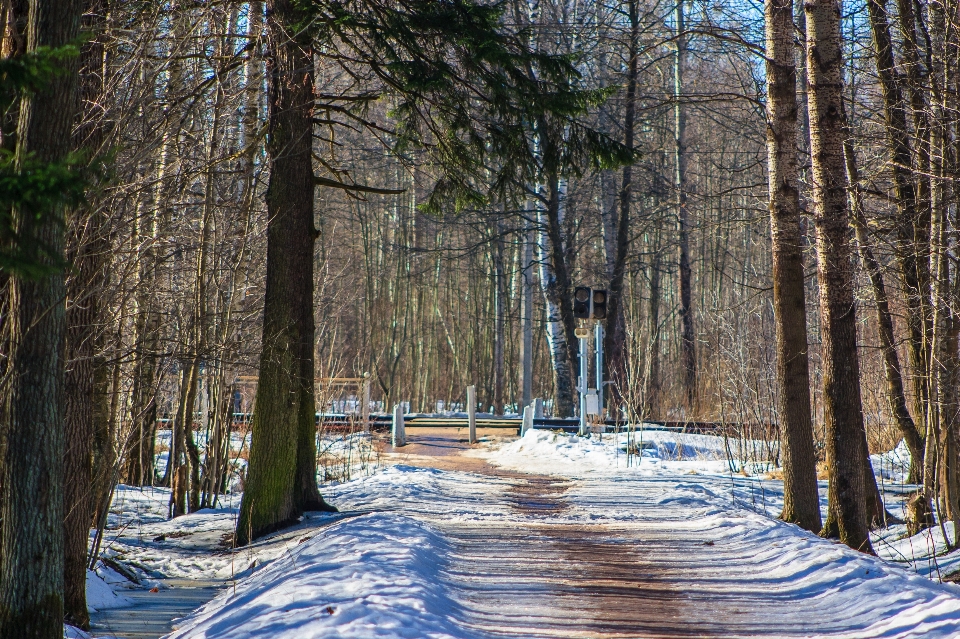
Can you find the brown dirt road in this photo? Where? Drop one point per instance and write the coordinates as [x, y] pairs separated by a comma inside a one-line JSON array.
[[551, 578], [561, 562]]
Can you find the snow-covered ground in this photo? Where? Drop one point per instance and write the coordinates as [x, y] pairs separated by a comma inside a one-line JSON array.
[[402, 559]]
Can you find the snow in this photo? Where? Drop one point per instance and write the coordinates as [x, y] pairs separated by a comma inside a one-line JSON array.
[[101, 595], [892, 465], [549, 452], [744, 485], [391, 569], [154, 547], [372, 577]]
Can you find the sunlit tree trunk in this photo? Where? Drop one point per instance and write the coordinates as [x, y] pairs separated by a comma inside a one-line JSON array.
[[801, 499], [843, 411], [555, 282]]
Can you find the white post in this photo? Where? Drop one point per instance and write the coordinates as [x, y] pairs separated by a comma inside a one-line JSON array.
[[584, 371], [365, 410], [472, 412], [399, 433], [527, 422]]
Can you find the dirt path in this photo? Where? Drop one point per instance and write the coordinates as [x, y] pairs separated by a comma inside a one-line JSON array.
[[550, 578], [652, 570]]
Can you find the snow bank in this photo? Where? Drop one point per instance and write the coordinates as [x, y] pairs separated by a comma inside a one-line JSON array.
[[653, 450], [100, 594], [372, 576], [893, 465]]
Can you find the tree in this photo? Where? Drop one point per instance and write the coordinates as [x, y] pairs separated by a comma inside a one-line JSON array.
[[31, 538], [843, 411], [688, 343], [901, 154], [801, 499], [281, 481], [467, 93], [615, 337]]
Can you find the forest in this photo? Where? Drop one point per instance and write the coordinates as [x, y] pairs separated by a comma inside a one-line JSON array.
[[207, 207]]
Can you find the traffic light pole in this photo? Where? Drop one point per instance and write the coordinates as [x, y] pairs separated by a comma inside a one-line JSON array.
[[584, 335], [598, 349]]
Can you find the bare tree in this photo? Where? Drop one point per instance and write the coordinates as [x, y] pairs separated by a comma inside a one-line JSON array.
[[801, 499], [843, 412]]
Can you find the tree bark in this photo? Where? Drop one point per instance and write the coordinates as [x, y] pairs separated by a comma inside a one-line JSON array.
[[913, 233], [901, 157], [652, 381], [843, 413], [615, 356], [31, 533], [557, 292], [877, 515], [281, 480], [88, 248], [688, 345], [891, 361], [801, 499]]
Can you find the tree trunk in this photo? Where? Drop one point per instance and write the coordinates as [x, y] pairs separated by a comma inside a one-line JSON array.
[[281, 479], [615, 355], [652, 381], [801, 499], [31, 533], [901, 158], [555, 282], [891, 361], [83, 370], [913, 234], [843, 413], [688, 346], [526, 315], [88, 248], [499, 319], [937, 484], [179, 458]]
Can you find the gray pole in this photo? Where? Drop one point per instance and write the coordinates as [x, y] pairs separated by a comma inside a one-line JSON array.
[[584, 373], [526, 317], [399, 432], [472, 413], [598, 348], [365, 409]]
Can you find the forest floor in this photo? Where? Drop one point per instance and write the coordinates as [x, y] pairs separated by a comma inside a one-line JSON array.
[[545, 536]]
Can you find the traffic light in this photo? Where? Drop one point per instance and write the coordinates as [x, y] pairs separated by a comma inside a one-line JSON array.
[[581, 302], [598, 310]]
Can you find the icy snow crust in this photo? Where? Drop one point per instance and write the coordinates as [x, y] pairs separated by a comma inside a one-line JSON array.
[[389, 568]]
